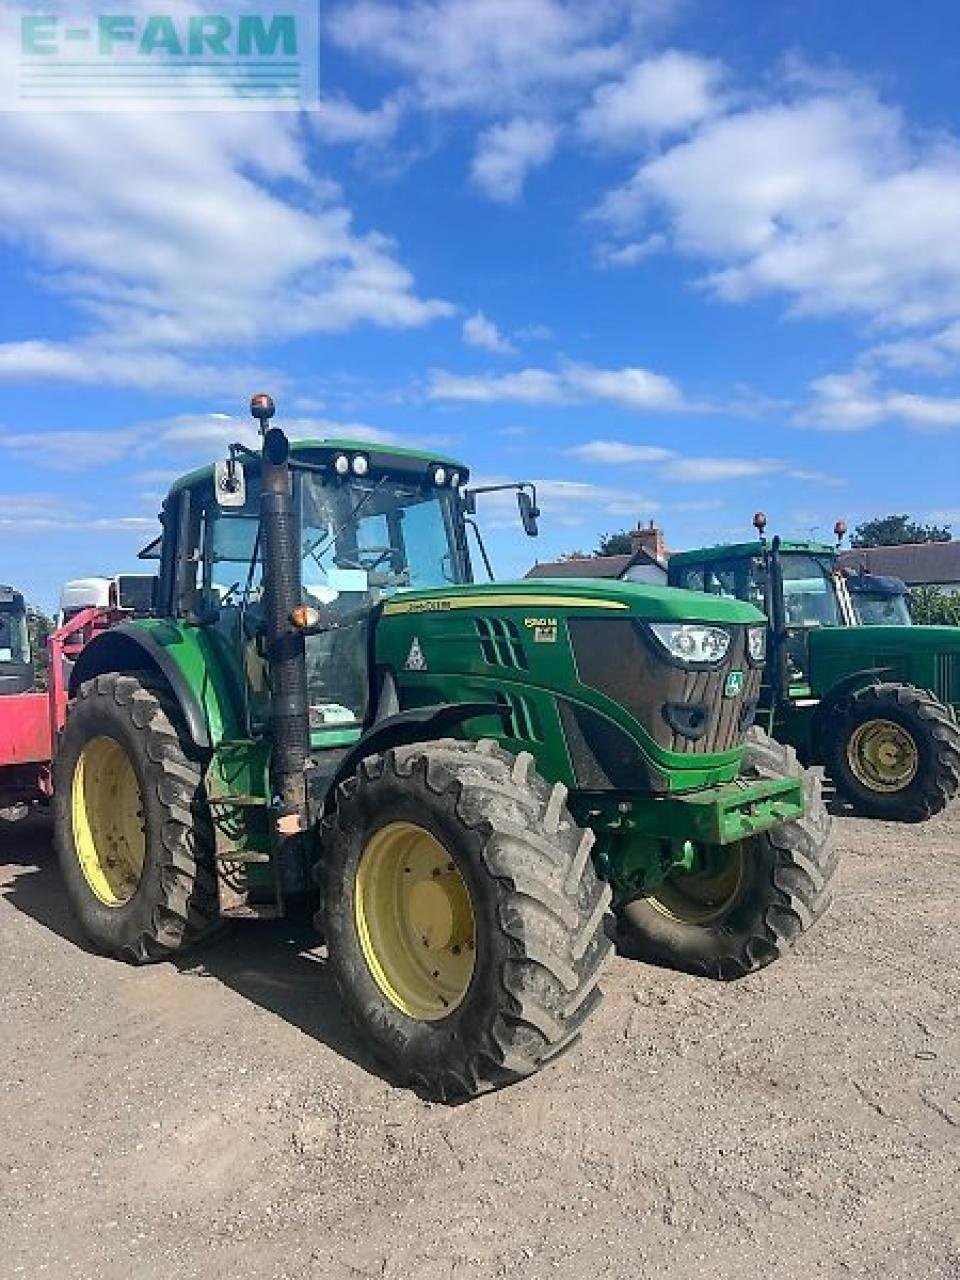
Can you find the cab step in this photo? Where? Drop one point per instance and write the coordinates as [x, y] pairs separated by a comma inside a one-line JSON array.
[[251, 911]]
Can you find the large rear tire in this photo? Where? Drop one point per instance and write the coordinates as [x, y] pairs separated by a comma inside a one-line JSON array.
[[893, 752], [131, 825], [463, 916], [761, 894]]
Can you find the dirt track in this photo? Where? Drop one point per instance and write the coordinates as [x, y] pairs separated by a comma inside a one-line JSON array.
[[218, 1120]]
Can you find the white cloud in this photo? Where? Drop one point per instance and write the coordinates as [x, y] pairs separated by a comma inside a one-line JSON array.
[[529, 386], [617, 452], [478, 331], [186, 438], [825, 199], [660, 95], [102, 361], [338, 120], [634, 388], [855, 401], [507, 152], [937, 352], [628, 255], [693, 470], [711, 470], [488, 55], [166, 246]]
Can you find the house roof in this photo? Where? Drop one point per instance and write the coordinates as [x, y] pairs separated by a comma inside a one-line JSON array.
[[917, 563], [594, 566]]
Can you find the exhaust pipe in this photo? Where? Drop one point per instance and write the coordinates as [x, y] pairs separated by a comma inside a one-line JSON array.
[[289, 708]]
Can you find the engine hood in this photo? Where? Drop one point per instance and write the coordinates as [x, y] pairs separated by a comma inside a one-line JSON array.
[[623, 599]]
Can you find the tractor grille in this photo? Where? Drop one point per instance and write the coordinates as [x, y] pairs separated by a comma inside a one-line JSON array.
[[500, 643], [683, 710], [948, 678]]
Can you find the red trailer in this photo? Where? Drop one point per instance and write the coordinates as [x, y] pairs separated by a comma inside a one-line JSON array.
[[30, 723]]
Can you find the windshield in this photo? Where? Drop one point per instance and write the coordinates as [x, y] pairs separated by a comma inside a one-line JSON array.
[[809, 595], [14, 641], [880, 608]]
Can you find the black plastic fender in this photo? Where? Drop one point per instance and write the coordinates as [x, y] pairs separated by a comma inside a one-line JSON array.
[[420, 724]]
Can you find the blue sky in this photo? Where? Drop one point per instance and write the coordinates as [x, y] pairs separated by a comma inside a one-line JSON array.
[[668, 259]]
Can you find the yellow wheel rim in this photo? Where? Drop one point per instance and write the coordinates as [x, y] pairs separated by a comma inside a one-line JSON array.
[[703, 898], [108, 827], [415, 921], [883, 755]]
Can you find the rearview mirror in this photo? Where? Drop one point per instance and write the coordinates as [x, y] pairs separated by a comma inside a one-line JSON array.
[[529, 513], [229, 484]]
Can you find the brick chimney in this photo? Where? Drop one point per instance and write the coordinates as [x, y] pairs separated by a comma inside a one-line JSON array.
[[649, 539]]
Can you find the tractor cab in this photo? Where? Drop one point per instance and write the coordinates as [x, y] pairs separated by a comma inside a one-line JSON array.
[[372, 523], [16, 667], [877, 600]]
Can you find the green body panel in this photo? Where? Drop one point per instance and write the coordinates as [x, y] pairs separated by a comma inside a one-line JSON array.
[[927, 657], [443, 624], [210, 667]]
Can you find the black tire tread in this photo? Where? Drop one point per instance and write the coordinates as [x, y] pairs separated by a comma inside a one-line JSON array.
[[933, 789], [797, 893], [552, 905], [186, 906]]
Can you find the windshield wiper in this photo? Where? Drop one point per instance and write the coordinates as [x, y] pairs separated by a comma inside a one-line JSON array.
[[316, 556]]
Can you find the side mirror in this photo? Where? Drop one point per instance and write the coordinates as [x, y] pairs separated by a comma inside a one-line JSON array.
[[229, 484], [529, 513], [470, 502]]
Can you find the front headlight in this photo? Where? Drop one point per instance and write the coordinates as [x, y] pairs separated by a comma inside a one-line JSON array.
[[757, 644], [692, 641]]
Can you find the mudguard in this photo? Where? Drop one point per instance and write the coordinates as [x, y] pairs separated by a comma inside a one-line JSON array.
[[180, 655], [420, 724]]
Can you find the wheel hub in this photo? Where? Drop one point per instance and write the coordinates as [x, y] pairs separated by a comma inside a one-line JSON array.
[[415, 921], [883, 755], [704, 896], [108, 822]]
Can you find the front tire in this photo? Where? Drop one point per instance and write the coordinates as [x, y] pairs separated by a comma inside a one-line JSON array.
[[131, 825], [759, 897], [893, 752], [463, 915]]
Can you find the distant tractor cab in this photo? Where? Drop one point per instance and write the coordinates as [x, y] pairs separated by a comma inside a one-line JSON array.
[[877, 600], [16, 660], [468, 773], [850, 683]]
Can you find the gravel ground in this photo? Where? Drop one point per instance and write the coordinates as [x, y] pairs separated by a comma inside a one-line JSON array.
[[217, 1118]]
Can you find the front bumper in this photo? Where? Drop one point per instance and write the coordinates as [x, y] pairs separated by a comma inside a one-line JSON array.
[[716, 815]]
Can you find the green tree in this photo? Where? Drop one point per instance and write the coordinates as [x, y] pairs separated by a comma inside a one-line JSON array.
[[614, 544], [894, 531], [929, 606], [39, 627]]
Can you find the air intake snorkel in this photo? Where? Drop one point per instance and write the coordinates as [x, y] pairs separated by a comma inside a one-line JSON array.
[[289, 712]]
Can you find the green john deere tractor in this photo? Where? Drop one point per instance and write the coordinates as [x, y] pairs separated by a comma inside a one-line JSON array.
[[851, 684], [466, 771]]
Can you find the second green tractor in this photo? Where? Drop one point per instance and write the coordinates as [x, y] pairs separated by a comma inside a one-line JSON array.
[[480, 782]]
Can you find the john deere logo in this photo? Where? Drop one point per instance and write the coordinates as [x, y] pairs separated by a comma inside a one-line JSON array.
[[734, 686]]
